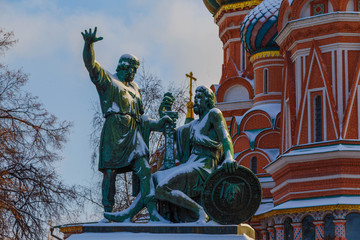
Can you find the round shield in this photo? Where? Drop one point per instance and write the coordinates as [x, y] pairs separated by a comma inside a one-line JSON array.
[[231, 198]]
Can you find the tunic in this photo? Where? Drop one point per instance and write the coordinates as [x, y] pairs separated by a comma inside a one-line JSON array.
[[121, 138]]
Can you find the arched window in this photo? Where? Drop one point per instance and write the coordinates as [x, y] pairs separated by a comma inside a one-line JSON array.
[[266, 80], [329, 227], [352, 226], [318, 128], [243, 57], [253, 164], [236, 93], [308, 228], [288, 230], [227, 54]]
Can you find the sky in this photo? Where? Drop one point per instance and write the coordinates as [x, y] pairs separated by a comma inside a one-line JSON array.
[[172, 37]]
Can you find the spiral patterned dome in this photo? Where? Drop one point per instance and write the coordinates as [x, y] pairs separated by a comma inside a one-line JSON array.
[[214, 5], [259, 28]]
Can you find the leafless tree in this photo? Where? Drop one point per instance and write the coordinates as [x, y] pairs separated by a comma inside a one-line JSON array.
[[152, 92], [6, 40], [30, 142]]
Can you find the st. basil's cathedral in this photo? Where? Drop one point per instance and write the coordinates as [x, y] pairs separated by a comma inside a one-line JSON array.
[[290, 93]]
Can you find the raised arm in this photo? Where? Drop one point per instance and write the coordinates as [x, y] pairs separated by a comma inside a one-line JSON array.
[[88, 52]]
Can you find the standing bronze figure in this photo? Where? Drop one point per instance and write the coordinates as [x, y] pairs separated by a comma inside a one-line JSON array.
[[124, 137]]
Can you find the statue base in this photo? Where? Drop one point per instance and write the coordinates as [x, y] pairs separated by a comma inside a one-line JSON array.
[[166, 231]]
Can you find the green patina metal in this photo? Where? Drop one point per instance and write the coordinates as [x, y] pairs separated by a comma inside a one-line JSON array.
[[202, 145], [231, 198], [229, 194], [169, 130], [125, 134]]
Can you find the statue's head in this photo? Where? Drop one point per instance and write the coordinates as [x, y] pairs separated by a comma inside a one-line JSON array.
[[204, 100], [126, 69]]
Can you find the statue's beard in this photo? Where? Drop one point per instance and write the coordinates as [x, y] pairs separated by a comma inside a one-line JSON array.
[[198, 110], [129, 77]]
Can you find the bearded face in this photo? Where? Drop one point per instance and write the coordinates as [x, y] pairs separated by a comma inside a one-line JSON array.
[[200, 104], [130, 74], [127, 70]]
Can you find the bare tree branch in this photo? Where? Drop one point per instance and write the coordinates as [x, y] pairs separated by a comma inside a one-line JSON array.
[[30, 141], [6, 40]]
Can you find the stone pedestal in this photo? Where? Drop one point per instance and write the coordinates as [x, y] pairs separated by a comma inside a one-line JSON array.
[[109, 231]]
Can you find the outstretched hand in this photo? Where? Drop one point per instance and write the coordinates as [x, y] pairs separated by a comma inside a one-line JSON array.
[[166, 119], [230, 166], [90, 37]]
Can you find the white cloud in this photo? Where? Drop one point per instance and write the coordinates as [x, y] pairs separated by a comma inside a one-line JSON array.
[[176, 35]]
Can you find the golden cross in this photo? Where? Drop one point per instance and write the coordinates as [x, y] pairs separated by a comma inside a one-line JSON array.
[[191, 76]]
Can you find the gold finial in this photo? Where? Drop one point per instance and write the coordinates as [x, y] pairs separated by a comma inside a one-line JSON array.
[[190, 104]]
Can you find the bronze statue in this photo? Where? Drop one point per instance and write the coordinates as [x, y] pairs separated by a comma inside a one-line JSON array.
[[229, 194], [201, 145], [124, 137]]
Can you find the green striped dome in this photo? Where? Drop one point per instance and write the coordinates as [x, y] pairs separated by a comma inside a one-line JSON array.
[[214, 5], [259, 28]]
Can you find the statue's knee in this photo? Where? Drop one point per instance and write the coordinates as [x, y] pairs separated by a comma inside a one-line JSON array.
[[162, 191], [142, 170], [146, 172], [159, 191], [149, 198], [144, 176]]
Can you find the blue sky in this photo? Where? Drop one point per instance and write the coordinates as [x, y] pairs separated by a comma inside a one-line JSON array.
[[174, 37]]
